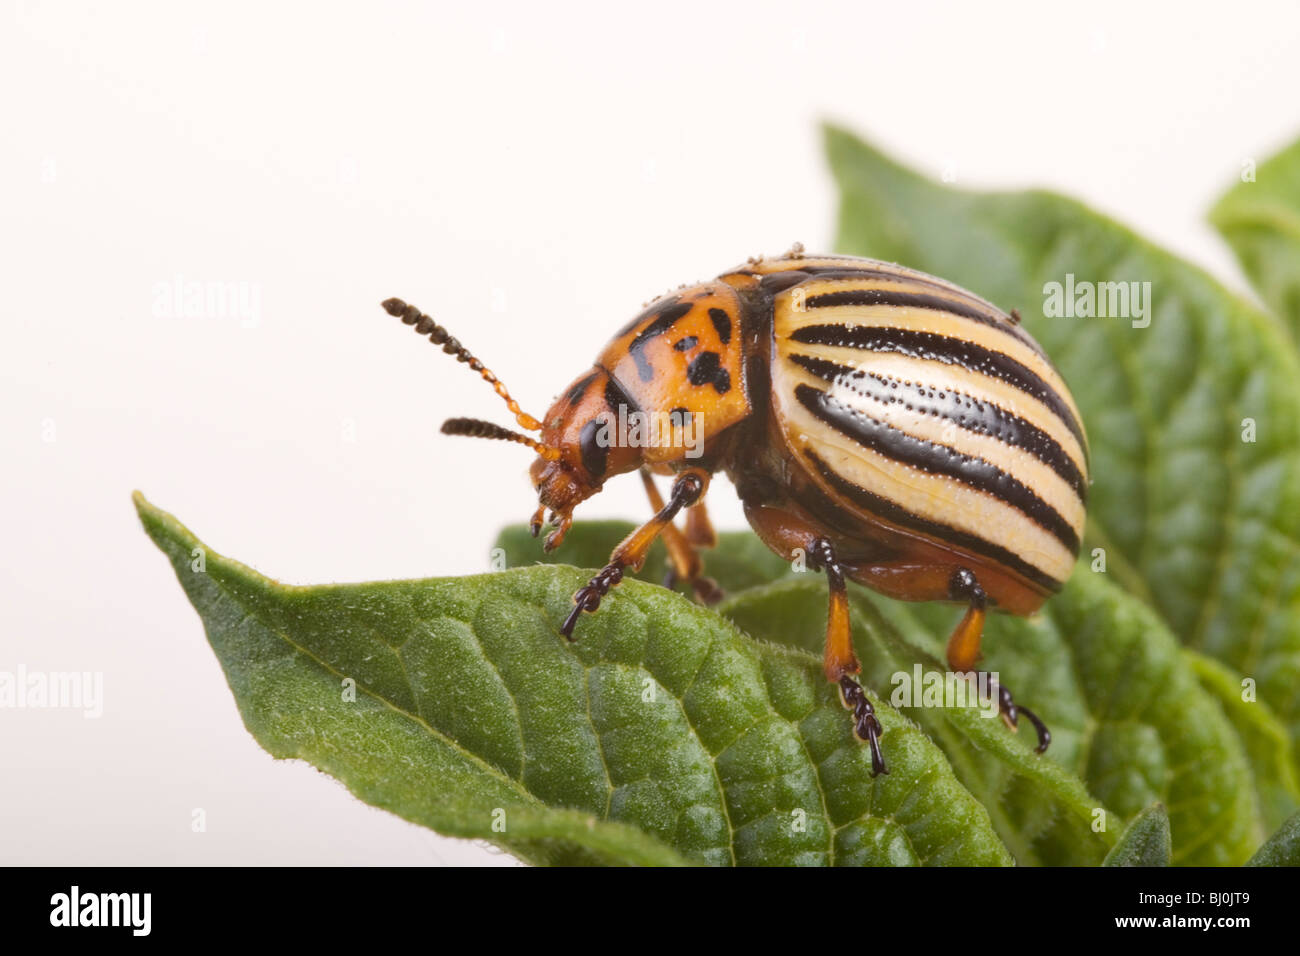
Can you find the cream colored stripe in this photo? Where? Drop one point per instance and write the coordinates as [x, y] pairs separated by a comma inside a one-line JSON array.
[[932, 497], [921, 280], [903, 280], [1021, 465], [935, 374], [847, 263], [919, 320]]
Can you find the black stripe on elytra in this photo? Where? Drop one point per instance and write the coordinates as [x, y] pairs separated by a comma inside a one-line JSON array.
[[775, 282], [663, 321], [937, 459], [706, 369], [686, 344], [580, 388], [721, 324], [889, 511], [930, 346], [982, 417], [937, 301]]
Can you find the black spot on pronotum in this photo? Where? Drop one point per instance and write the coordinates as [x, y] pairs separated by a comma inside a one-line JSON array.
[[580, 388], [667, 315], [654, 308], [615, 396], [703, 368], [594, 452], [722, 323], [686, 344], [706, 369]]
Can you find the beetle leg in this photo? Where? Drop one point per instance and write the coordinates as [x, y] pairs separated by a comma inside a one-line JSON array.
[[964, 652], [688, 488], [684, 548], [840, 662], [790, 534], [699, 529]]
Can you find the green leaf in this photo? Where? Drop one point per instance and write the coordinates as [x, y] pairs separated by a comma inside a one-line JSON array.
[[1203, 525], [1282, 848], [1260, 219], [1262, 733], [740, 561], [1130, 723], [1146, 842], [1140, 728], [662, 735], [1041, 810]]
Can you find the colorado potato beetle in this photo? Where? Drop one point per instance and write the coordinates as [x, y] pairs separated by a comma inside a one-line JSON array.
[[890, 427]]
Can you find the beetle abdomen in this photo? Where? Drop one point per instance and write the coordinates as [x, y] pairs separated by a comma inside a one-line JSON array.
[[920, 404]]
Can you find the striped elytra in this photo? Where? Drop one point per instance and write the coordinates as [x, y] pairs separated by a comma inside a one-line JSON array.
[[879, 424], [931, 410]]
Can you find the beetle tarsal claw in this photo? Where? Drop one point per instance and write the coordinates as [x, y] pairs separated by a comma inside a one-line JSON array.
[[562, 523], [865, 725], [1011, 712], [587, 597]]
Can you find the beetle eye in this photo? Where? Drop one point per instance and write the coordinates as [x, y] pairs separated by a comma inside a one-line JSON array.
[[593, 448]]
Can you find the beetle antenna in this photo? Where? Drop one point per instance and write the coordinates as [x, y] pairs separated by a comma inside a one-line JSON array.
[[477, 428], [424, 325]]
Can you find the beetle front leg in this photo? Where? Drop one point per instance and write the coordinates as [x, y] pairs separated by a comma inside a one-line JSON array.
[[684, 547], [964, 652], [840, 662], [688, 488]]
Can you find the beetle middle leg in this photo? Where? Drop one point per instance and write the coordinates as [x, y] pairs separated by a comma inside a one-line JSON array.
[[684, 547], [840, 663], [964, 651], [788, 533], [688, 488]]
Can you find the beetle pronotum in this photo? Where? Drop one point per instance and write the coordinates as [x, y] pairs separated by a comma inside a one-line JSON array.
[[894, 429]]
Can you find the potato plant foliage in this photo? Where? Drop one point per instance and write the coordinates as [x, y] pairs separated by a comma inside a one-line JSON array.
[[673, 734]]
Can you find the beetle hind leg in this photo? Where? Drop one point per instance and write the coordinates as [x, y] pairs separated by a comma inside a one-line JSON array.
[[964, 652], [840, 661]]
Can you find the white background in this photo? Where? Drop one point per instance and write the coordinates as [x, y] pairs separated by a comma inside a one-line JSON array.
[[529, 173]]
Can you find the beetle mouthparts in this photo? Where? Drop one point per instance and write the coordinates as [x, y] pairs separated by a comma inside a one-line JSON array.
[[556, 537]]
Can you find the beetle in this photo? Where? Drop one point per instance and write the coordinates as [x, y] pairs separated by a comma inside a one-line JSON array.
[[888, 426]]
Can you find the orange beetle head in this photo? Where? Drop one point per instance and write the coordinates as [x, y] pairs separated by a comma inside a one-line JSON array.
[[580, 450], [585, 438]]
